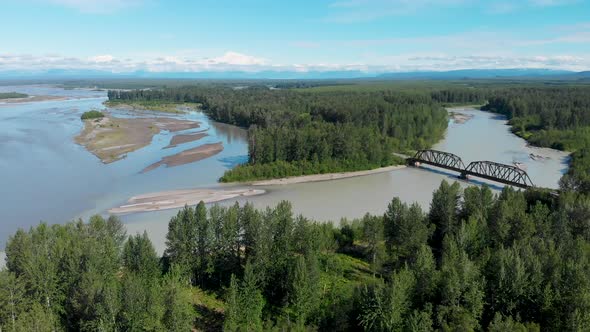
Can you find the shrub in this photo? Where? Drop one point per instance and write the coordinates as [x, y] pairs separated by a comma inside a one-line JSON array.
[[94, 114]]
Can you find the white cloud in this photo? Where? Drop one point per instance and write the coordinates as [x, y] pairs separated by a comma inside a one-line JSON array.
[[101, 58], [235, 58], [230, 62]]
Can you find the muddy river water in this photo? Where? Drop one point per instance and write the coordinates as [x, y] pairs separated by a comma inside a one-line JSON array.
[[45, 176]]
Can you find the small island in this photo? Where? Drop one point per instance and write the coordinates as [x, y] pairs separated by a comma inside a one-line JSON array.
[[110, 138], [94, 114], [188, 156], [12, 95]]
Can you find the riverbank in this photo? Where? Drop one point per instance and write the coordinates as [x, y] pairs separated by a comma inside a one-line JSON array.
[[323, 177], [152, 106], [31, 99], [178, 198], [110, 138]]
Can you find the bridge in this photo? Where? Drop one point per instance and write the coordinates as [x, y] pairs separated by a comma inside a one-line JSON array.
[[489, 170]]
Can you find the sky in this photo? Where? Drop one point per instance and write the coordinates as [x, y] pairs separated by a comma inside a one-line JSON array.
[[301, 35]]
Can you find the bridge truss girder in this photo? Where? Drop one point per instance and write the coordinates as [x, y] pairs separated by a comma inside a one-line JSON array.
[[440, 159], [503, 173]]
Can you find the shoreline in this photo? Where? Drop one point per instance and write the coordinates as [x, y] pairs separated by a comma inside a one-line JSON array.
[[320, 177], [111, 139], [31, 99]]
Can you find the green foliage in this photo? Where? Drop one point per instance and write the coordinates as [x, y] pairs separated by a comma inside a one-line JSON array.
[[93, 114], [9, 95], [178, 311], [515, 261], [385, 308], [296, 133], [244, 304], [406, 230], [152, 105], [89, 277], [556, 117], [140, 257], [443, 213]]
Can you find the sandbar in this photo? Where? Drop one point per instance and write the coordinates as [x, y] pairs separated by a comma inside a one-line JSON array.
[[188, 156], [185, 138], [31, 99], [110, 138], [460, 118], [179, 198]]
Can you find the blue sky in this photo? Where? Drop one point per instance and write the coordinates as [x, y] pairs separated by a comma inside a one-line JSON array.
[[302, 35]]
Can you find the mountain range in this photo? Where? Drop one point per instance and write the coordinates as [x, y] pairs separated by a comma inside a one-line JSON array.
[[525, 73]]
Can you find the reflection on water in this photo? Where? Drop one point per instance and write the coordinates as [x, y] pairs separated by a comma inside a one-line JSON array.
[[48, 177]]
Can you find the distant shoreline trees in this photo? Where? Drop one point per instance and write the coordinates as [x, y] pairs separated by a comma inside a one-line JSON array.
[[295, 132], [10, 95], [517, 260]]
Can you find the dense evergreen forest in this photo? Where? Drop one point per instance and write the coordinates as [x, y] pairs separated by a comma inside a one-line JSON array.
[[517, 261], [474, 261], [556, 117], [295, 132]]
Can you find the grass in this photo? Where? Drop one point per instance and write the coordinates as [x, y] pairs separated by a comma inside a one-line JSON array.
[[210, 310], [158, 106]]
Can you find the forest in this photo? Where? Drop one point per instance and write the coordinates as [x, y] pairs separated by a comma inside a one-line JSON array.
[[297, 132], [475, 261], [556, 117]]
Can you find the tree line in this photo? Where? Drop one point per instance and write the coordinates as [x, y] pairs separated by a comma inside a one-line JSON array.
[[556, 117], [514, 261], [294, 132]]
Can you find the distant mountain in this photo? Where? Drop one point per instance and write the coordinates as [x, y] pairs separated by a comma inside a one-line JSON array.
[[532, 73], [57, 74], [585, 75], [268, 74]]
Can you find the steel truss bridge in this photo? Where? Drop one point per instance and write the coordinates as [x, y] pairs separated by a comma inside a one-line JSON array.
[[489, 170]]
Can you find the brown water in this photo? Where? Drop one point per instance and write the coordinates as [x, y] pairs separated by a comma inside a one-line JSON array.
[[485, 137]]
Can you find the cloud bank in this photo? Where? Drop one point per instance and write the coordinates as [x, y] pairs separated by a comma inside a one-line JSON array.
[[234, 61]]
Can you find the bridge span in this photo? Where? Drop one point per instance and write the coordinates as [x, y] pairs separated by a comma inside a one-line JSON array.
[[489, 170]]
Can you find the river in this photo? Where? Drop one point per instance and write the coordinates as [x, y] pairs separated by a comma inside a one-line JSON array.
[[46, 176]]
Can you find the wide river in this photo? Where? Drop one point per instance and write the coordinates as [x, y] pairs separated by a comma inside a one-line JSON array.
[[45, 176]]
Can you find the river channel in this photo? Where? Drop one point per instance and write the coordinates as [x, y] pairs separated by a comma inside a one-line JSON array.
[[48, 177]]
